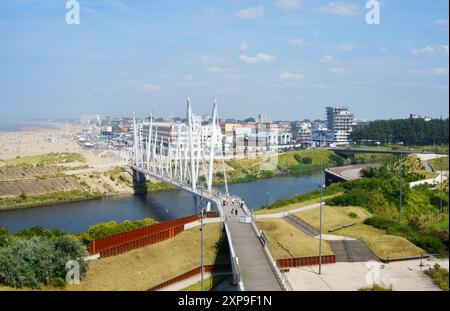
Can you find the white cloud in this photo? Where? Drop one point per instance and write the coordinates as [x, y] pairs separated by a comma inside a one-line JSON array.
[[297, 41], [251, 13], [339, 8], [235, 77], [439, 72], [435, 49], [151, 88], [348, 46], [440, 22], [291, 77], [328, 59], [214, 69], [322, 87], [188, 78], [207, 61], [243, 46], [338, 71], [289, 4], [260, 58]]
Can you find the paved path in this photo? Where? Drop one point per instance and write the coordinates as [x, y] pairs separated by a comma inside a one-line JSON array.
[[286, 213], [432, 181], [351, 276], [351, 251], [256, 271], [301, 225]]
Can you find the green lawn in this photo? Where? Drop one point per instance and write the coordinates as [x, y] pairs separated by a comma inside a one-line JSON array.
[[382, 244], [334, 216], [45, 159], [286, 241], [440, 164], [149, 266], [208, 283], [47, 199]]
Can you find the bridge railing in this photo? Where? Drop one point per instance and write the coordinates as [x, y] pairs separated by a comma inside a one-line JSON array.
[[234, 261], [284, 282]]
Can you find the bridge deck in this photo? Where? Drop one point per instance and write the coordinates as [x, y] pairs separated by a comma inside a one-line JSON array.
[[256, 271]]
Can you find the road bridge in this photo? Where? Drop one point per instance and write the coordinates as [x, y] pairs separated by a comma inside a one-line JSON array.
[[349, 153]]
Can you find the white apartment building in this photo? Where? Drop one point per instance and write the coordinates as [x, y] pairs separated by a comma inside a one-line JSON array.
[[340, 122]]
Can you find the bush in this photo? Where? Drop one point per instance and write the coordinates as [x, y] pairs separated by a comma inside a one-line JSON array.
[[30, 262], [439, 276], [335, 158], [432, 242], [109, 228], [352, 215], [58, 282], [306, 160], [39, 231], [15, 271]]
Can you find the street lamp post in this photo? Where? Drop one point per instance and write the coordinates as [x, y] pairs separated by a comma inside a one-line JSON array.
[[401, 191], [201, 251], [442, 190], [267, 198], [321, 204]]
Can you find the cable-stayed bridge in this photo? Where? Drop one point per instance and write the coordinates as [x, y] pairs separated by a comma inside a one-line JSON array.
[[187, 163]]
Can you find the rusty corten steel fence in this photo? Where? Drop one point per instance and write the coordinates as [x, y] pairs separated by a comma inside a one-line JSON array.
[[305, 261], [125, 241], [191, 273]]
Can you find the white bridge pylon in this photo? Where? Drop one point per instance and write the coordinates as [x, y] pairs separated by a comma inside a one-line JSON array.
[[181, 159]]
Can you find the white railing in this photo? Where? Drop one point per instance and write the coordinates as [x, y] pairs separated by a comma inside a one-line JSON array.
[[234, 260], [285, 284]]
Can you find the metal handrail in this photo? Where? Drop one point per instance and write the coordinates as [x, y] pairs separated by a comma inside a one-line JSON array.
[[234, 260], [285, 284]]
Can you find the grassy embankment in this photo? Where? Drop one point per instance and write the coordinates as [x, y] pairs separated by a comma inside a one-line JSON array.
[[286, 241], [382, 244], [209, 283], [443, 149], [24, 201], [439, 276], [291, 163], [378, 194], [439, 164], [44, 160], [149, 266], [146, 267], [52, 185], [301, 200]]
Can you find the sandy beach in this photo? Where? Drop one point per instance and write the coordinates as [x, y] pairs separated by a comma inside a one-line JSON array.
[[35, 142]]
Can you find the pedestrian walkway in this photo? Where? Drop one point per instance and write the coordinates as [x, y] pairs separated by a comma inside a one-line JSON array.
[[255, 269]]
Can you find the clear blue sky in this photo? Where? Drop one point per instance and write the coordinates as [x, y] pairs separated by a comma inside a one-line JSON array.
[[286, 58]]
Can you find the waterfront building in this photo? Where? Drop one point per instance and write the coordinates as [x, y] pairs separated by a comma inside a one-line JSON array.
[[340, 122]]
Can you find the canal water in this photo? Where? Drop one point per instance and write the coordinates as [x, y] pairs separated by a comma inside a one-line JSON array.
[[78, 216]]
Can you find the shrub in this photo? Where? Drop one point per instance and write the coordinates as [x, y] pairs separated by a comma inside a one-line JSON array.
[[306, 160], [30, 262], [439, 276], [335, 158], [58, 282], [109, 228], [376, 288], [14, 271], [352, 215]]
